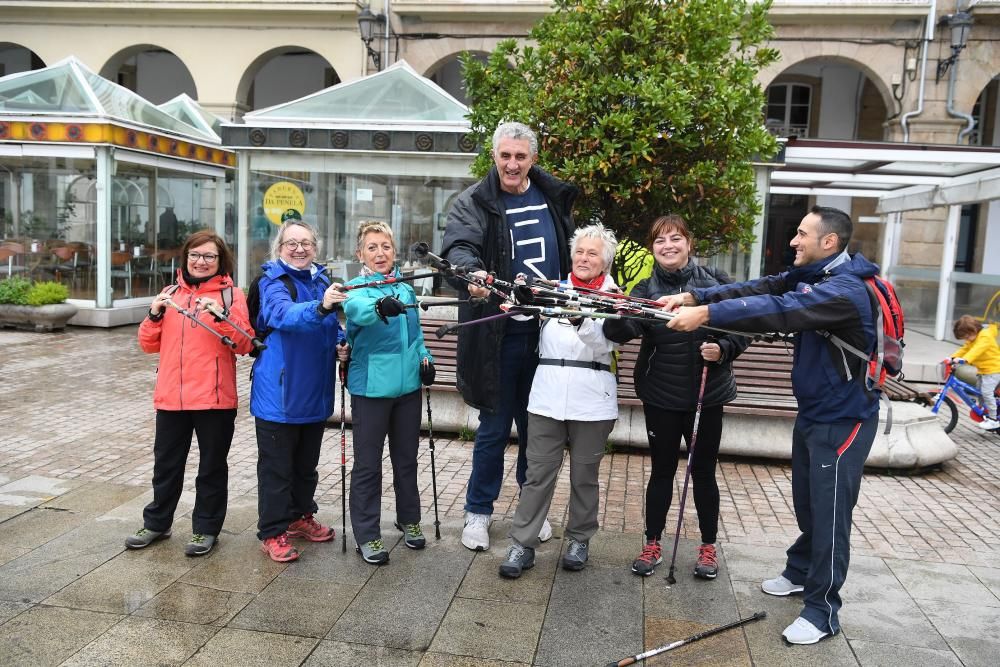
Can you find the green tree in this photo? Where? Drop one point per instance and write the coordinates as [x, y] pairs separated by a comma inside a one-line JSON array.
[[648, 106]]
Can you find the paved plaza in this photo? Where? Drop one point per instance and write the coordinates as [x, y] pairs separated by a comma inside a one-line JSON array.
[[76, 426]]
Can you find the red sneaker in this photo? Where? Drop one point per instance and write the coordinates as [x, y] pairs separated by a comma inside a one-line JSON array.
[[279, 549], [311, 529], [708, 562]]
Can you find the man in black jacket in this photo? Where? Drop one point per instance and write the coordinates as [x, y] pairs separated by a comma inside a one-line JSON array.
[[518, 219]]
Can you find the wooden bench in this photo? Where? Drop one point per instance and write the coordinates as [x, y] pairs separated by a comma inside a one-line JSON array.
[[763, 375]]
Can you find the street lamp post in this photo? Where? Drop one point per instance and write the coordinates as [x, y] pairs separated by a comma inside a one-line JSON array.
[[366, 24], [960, 23]]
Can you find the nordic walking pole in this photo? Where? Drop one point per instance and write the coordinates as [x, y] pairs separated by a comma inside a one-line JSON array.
[[343, 454], [687, 474], [434, 484], [682, 642]]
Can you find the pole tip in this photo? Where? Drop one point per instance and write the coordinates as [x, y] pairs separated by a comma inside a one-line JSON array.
[[760, 614], [419, 250]]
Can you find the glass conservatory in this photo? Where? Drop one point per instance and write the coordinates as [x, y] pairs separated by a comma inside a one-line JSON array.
[[391, 146], [99, 187]]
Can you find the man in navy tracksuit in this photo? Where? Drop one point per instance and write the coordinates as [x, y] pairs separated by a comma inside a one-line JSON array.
[[838, 414]]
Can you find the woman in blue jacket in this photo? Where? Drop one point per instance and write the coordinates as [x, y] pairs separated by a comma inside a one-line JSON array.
[[388, 363], [293, 388]]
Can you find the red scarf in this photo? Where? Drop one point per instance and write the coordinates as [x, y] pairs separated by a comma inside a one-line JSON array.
[[594, 284]]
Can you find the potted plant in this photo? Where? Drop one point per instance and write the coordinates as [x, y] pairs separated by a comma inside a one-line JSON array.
[[39, 306]]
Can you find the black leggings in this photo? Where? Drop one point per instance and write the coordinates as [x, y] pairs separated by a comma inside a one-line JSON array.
[[664, 429]]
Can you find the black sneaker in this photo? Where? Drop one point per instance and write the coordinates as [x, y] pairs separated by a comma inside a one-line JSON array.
[[143, 537], [199, 545], [576, 555], [519, 558], [413, 537]]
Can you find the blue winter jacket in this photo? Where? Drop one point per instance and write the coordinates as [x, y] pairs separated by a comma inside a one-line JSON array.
[[293, 379], [385, 356], [827, 382]]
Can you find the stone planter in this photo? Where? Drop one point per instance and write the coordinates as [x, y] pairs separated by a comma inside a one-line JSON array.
[[52, 317]]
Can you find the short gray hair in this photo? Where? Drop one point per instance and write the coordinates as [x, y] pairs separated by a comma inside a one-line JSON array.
[[280, 236], [519, 131], [602, 233]]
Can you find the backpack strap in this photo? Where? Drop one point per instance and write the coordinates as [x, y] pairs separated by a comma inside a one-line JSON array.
[[227, 298]]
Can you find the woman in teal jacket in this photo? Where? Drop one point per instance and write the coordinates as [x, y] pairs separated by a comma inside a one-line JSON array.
[[388, 362]]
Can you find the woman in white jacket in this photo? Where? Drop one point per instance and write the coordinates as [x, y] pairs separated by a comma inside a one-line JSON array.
[[573, 399]]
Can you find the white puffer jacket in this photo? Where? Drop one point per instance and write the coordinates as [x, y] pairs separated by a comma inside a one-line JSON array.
[[570, 393]]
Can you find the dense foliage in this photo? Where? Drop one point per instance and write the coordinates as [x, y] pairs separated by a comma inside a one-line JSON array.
[[648, 106], [20, 291]]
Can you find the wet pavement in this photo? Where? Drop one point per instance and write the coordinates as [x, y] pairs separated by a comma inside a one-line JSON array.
[[76, 424]]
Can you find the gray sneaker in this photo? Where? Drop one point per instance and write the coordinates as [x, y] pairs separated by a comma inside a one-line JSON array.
[[373, 552], [413, 537], [780, 586], [576, 555], [143, 537], [519, 558], [199, 545]]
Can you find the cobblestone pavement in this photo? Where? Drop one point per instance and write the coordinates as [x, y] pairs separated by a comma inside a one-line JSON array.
[[78, 405]]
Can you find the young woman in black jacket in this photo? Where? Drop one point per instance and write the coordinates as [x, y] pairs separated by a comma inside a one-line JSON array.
[[667, 379]]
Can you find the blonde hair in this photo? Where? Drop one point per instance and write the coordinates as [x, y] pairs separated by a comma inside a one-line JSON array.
[[367, 227], [280, 236]]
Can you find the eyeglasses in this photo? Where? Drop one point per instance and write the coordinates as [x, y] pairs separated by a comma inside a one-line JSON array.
[[305, 245], [208, 257]]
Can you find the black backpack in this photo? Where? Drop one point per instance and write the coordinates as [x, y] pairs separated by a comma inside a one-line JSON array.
[[253, 306]]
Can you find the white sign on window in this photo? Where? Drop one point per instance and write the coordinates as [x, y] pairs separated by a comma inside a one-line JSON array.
[[364, 194]]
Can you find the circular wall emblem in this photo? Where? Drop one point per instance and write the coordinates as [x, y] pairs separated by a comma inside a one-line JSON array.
[[339, 139], [132, 137], [154, 143], [74, 132], [380, 140], [174, 146], [466, 143], [38, 131], [424, 142], [297, 138], [258, 136], [4, 130]]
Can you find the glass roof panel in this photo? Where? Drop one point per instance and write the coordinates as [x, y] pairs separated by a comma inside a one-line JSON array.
[[189, 111], [51, 90], [395, 94]]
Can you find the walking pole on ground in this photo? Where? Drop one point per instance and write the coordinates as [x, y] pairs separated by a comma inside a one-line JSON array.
[[693, 638], [687, 475], [434, 484], [343, 454]]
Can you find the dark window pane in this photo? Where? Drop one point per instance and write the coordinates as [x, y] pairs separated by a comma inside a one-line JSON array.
[[800, 94]]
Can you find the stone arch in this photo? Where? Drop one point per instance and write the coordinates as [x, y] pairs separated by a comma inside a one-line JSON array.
[[152, 71], [447, 73], [18, 58], [318, 74]]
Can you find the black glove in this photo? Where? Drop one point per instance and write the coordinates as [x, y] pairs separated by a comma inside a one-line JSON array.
[[427, 373], [523, 294], [389, 306]]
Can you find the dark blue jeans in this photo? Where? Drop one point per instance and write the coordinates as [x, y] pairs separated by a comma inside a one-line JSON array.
[[518, 360], [827, 464]]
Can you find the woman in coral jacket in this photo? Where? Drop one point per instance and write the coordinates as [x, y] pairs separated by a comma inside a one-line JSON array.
[[195, 391]]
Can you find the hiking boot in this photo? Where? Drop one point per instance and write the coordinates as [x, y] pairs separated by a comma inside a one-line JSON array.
[[476, 534], [576, 555], [373, 552], [199, 545], [781, 587], [143, 537], [651, 556], [707, 566], [413, 537], [545, 534], [802, 631], [989, 424], [311, 529], [519, 558], [279, 549]]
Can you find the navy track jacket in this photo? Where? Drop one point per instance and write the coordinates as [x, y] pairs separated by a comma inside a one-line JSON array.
[[828, 383]]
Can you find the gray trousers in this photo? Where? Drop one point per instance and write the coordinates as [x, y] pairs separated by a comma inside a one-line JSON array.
[[374, 418], [546, 440], [988, 385]]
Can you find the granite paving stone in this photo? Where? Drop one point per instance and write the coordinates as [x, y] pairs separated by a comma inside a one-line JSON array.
[[490, 629], [989, 577], [94, 498], [10, 609], [46, 635], [431, 659], [143, 641], [247, 648], [483, 581], [308, 607], [326, 561], [942, 581], [972, 630], [873, 654], [592, 613], [690, 599], [237, 565], [195, 604], [337, 654], [37, 526]]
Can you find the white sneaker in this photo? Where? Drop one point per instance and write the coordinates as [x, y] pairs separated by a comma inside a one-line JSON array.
[[802, 631], [780, 586], [989, 424], [476, 534], [545, 534]]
